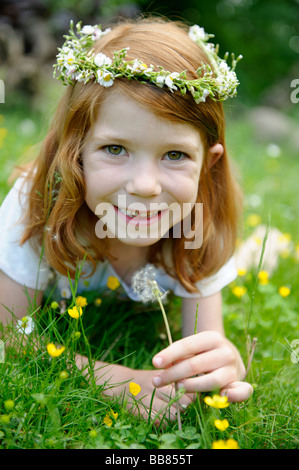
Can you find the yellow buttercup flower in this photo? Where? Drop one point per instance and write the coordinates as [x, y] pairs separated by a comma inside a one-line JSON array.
[[263, 277], [229, 444], [284, 291], [242, 271], [239, 291], [222, 425], [81, 301], [113, 282], [98, 302], [253, 220], [285, 238], [134, 388], [108, 418], [216, 401], [75, 312], [53, 351]]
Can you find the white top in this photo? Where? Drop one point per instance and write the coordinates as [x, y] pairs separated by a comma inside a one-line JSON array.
[[23, 265]]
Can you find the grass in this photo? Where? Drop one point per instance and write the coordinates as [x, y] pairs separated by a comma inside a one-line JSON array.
[[48, 403]]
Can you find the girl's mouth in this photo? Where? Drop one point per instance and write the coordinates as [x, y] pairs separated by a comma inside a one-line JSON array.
[[138, 216]]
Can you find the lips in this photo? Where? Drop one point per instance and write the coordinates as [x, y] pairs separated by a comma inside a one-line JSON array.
[[137, 215]]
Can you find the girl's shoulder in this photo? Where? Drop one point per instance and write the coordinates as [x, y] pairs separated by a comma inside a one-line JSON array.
[[207, 286]]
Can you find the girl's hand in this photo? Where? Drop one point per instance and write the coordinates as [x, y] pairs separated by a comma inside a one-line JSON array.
[[117, 380], [203, 362]]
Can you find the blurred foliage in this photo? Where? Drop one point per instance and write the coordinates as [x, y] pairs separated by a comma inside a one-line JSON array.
[[265, 32]]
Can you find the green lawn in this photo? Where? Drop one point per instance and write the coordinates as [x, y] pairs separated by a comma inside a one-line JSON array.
[[48, 403]]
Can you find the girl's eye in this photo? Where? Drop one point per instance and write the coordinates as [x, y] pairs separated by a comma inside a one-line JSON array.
[[175, 155], [115, 150]]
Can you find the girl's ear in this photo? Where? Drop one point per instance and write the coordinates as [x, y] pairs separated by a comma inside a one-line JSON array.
[[214, 153]]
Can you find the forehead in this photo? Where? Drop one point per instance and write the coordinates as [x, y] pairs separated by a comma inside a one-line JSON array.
[[122, 116]]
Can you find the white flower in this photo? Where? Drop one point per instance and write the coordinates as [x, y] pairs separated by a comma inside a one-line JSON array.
[[87, 29], [160, 80], [65, 292], [69, 61], [98, 33], [169, 80], [210, 47], [223, 68], [105, 78], [101, 59], [205, 94], [196, 33], [26, 325], [138, 66], [145, 285], [226, 80]]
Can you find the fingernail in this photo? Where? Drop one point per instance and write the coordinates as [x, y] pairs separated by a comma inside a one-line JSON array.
[[158, 361], [157, 381]]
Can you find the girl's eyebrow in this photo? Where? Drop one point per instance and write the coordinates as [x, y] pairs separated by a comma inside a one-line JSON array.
[[108, 138]]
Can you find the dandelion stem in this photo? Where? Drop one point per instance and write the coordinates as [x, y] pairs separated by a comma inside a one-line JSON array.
[[165, 320], [157, 294]]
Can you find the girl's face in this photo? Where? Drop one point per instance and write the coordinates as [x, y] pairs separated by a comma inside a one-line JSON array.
[[141, 172]]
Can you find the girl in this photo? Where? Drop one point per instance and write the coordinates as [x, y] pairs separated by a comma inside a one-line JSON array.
[[140, 127]]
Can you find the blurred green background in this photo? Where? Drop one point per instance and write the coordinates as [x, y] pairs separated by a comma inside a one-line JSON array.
[[262, 128]]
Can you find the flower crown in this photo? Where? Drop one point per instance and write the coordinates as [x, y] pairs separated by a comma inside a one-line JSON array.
[[77, 62]]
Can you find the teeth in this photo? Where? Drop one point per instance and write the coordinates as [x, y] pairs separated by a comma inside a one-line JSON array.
[[137, 213]]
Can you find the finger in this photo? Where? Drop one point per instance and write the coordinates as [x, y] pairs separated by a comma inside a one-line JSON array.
[[197, 364], [237, 391], [187, 347], [207, 382]]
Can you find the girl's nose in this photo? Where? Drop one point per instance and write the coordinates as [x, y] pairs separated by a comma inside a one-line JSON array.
[[144, 181]]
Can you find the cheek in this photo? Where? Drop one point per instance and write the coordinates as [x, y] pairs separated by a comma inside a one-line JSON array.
[[187, 189], [101, 186]]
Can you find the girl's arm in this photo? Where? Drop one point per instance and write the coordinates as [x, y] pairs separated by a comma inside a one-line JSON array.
[[204, 361], [209, 315], [13, 298]]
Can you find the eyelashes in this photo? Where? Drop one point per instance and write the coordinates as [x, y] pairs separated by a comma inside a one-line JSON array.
[[119, 150], [175, 156]]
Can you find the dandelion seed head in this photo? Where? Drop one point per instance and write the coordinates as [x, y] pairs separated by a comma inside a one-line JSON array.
[[145, 285]]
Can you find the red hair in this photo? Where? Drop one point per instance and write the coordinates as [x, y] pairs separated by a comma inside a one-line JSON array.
[[57, 213]]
